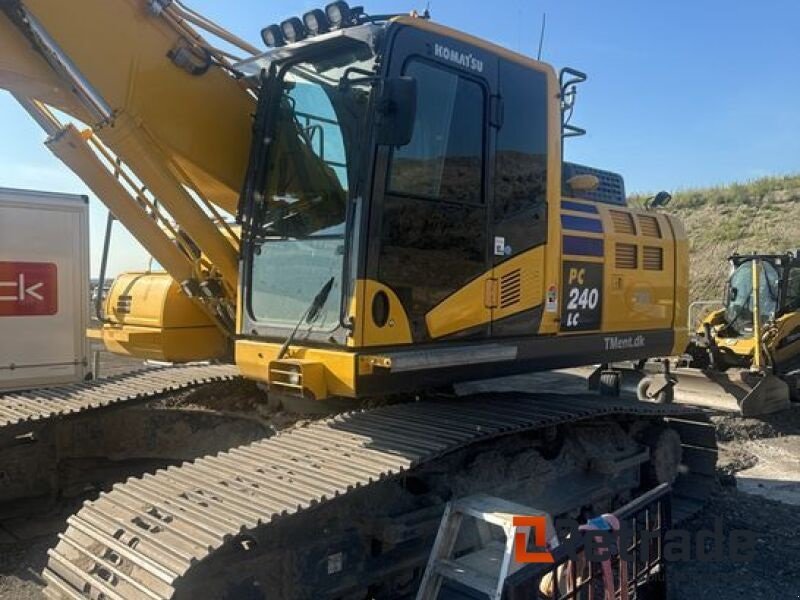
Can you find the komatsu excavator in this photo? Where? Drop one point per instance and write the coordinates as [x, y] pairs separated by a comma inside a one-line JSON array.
[[404, 221]]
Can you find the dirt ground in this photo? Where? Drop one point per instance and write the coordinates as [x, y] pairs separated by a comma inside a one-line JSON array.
[[759, 468], [759, 491]]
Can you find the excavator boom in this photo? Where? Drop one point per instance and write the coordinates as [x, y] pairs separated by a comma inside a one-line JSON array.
[[160, 129]]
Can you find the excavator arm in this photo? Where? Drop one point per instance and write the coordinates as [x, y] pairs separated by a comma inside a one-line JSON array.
[[158, 124]]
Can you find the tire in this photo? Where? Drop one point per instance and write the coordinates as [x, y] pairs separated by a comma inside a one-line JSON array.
[[610, 384], [665, 396]]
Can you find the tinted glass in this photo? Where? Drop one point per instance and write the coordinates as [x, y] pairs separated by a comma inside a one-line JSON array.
[[433, 229], [444, 160], [793, 290], [428, 251], [521, 158]]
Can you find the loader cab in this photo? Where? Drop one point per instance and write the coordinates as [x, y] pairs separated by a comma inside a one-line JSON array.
[[430, 220], [779, 290]]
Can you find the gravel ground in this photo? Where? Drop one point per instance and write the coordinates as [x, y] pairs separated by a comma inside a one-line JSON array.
[[759, 469], [774, 571], [761, 455]]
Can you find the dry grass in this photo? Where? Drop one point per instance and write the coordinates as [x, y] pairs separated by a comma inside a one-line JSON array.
[[757, 216]]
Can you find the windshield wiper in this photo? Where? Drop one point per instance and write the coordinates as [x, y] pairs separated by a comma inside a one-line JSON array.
[[312, 312]]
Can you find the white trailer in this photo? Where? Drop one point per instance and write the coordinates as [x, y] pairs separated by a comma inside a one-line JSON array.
[[44, 288]]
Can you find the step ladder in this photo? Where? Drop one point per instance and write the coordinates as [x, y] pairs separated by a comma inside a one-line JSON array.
[[485, 569]]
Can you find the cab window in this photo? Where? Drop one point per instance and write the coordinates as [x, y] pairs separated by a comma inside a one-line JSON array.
[[444, 160], [520, 180], [793, 290]]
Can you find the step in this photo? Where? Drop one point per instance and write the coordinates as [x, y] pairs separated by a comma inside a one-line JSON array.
[[454, 571], [493, 510]]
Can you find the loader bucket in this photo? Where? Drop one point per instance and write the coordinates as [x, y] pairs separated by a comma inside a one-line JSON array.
[[750, 393]]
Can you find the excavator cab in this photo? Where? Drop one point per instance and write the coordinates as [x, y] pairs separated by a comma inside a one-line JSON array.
[[408, 221], [371, 178]]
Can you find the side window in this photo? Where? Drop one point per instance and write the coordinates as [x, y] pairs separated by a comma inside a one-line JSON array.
[[520, 180], [444, 160], [793, 290]]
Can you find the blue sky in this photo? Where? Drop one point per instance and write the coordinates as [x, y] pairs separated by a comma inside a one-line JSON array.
[[680, 94]]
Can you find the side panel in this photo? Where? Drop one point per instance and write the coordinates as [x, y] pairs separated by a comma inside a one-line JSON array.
[[44, 288], [623, 270], [641, 284], [786, 347]]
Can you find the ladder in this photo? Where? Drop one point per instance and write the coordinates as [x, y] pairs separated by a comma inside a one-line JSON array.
[[485, 569]]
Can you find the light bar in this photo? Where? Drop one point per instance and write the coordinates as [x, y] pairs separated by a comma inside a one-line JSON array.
[[316, 21], [272, 36], [338, 14], [293, 30]]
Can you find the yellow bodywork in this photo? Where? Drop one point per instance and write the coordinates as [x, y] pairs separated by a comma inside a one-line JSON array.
[[150, 317], [396, 331], [645, 294], [479, 302], [782, 329], [743, 347], [187, 140], [337, 377]]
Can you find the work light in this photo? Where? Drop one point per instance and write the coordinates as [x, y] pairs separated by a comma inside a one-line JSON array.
[[316, 21], [338, 14], [272, 36], [293, 30]]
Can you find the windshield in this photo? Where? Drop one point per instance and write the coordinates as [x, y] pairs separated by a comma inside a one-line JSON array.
[[739, 309], [299, 229]]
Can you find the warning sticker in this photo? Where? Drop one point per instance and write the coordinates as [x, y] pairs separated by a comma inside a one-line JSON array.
[[582, 307], [28, 289], [551, 300]]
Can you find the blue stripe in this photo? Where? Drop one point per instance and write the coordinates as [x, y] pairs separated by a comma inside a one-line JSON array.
[[577, 206], [581, 224], [581, 246]]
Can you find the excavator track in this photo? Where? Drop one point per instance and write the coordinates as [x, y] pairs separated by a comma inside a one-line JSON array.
[[61, 439], [19, 411], [155, 537]]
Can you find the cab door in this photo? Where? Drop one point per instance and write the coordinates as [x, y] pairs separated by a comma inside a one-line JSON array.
[[519, 216], [429, 230]]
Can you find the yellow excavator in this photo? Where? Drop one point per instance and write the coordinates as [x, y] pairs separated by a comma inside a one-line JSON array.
[[373, 209], [745, 355]]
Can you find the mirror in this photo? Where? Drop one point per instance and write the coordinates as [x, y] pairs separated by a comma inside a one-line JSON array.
[[397, 109]]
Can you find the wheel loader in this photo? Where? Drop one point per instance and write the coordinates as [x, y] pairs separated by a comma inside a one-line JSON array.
[[746, 354], [371, 210]]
